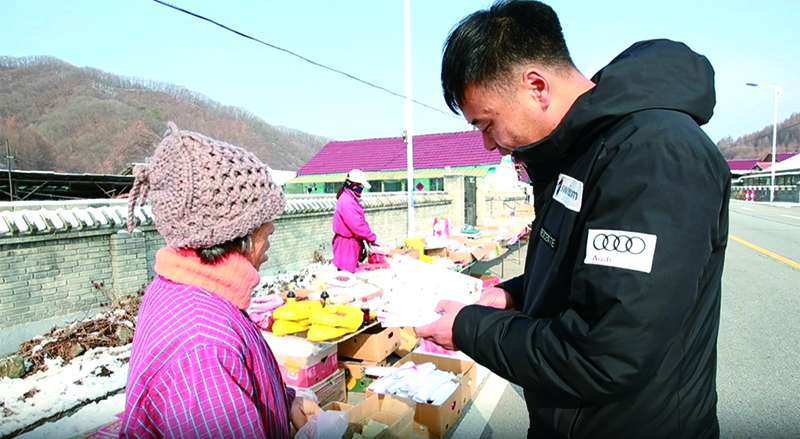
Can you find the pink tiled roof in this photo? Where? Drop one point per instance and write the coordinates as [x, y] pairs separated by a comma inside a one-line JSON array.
[[387, 154], [742, 164], [781, 156], [763, 163]]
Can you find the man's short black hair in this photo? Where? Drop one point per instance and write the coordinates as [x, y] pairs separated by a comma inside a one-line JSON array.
[[488, 43]]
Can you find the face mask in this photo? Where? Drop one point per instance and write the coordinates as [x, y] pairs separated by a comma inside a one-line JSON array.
[[357, 188]]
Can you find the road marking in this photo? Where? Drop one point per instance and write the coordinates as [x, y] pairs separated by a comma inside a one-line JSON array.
[[747, 208], [475, 420], [786, 261], [789, 216]]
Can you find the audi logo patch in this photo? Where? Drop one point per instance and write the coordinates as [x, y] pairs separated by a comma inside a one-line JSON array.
[[619, 243], [621, 249]]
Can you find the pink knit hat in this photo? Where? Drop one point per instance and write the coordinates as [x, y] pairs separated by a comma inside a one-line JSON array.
[[204, 192]]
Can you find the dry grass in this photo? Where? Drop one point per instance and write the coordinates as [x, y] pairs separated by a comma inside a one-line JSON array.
[[319, 255], [114, 328]]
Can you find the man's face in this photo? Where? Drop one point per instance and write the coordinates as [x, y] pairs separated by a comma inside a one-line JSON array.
[[508, 116]]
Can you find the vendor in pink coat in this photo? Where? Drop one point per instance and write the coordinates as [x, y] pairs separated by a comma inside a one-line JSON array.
[[349, 225]]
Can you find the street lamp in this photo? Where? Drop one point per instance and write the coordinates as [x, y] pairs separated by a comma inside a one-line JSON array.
[[778, 92]]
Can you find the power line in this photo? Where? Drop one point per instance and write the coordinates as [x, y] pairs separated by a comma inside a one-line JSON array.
[[788, 97], [241, 34], [746, 141]]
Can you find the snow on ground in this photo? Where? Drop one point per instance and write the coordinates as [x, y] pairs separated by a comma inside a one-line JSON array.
[[92, 375], [96, 373], [88, 418]]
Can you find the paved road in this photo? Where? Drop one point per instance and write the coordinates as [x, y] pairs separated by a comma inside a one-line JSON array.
[[758, 379]]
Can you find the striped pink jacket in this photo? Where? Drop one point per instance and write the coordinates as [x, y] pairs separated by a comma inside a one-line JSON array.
[[201, 369]]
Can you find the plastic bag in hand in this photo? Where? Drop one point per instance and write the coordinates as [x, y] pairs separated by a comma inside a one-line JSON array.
[[329, 424]]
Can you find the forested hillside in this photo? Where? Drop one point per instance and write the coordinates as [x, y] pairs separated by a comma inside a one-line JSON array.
[[759, 144], [60, 117]]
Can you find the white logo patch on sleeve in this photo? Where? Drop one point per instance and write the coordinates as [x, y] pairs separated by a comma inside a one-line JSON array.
[[569, 192], [621, 249]]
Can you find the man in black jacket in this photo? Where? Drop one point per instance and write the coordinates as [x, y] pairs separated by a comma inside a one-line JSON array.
[[612, 329]]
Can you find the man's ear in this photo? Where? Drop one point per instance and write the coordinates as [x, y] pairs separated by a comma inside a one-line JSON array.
[[537, 86]]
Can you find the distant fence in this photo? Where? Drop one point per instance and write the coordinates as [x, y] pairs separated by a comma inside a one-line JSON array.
[[786, 194]]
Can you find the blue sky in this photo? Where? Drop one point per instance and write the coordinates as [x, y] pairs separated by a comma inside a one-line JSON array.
[[746, 41]]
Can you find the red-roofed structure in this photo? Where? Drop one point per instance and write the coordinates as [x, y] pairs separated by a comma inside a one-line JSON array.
[[389, 154], [741, 167], [384, 162], [742, 164]]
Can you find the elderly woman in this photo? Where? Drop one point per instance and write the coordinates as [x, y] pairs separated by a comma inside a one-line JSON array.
[[199, 367]]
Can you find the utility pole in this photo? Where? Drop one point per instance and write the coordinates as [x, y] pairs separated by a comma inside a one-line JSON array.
[[9, 157], [408, 134], [778, 93]]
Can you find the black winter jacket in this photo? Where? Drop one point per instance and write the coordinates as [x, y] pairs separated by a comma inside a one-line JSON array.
[[617, 314]]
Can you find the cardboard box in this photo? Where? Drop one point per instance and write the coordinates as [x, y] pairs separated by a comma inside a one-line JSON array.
[[332, 389], [397, 413], [463, 239], [437, 252], [355, 376], [411, 252], [408, 341], [485, 250], [434, 421], [307, 371], [337, 406], [459, 257], [488, 281], [374, 344]]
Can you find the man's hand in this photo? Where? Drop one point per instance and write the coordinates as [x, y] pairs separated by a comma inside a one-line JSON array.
[[302, 410], [441, 331], [496, 298]]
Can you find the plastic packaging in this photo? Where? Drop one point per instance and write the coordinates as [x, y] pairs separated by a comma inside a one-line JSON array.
[[323, 333], [285, 327], [329, 424], [340, 316]]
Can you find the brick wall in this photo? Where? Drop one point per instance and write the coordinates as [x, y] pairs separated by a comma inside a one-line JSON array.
[[51, 252], [298, 235], [48, 269], [44, 278]]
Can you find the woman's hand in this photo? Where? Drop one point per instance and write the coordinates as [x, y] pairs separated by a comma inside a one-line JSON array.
[[302, 410]]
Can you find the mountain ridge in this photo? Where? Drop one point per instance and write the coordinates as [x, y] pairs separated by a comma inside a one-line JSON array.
[[60, 117]]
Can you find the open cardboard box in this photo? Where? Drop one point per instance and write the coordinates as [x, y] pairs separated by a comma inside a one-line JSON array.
[[301, 371], [397, 413], [463, 239], [408, 341], [434, 421], [331, 389], [460, 256], [485, 250], [337, 406], [411, 252], [374, 344], [355, 375], [442, 252]]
